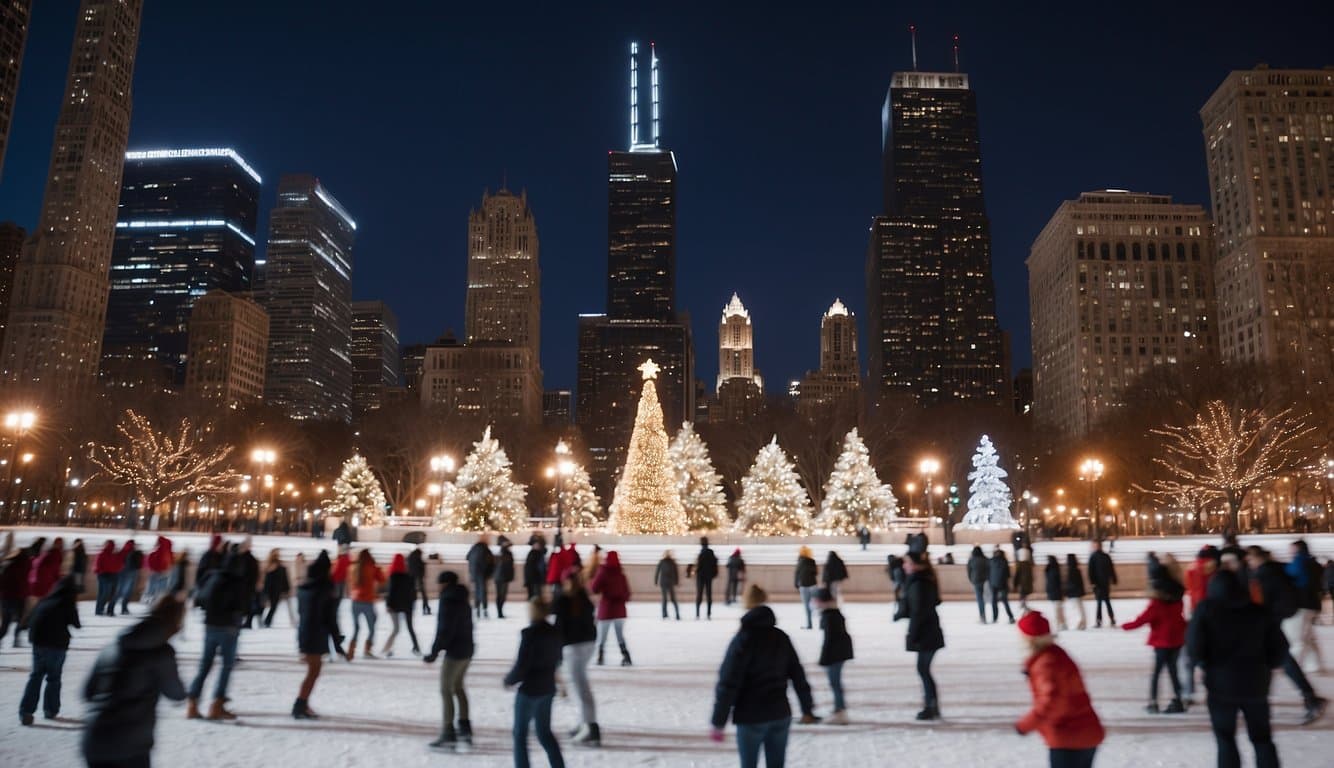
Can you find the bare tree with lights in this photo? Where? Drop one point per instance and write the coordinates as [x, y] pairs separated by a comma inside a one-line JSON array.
[[162, 466], [1228, 452]]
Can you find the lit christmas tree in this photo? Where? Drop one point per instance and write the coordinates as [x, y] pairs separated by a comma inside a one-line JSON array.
[[646, 500], [484, 496], [989, 497], [772, 502], [854, 496], [358, 498], [578, 501], [698, 483]]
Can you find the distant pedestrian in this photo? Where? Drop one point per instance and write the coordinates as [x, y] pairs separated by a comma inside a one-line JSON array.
[[1023, 575], [159, 563], [575, 620], [665, 577], [979, 571], [1062, 712], [1055, 590], [806, 578], [705, 571], [106, 566], [535, 568], [317, 630], [834, 574], [45, 569], [277, 587], [211, 559], [894, 567], [78, 564], [123, 688], [613, 590], [342, 535], [924, 636], [1074, 590], [736, 576], [863, 536], [534, 672], [504, 574], [481, 566], [998, 578], [48, 633], [132, 561], [417, 570], [398, 604], [1167, 633], [1102, 577], [364, 579], [835, 651], [1307, 576], [454, 639]]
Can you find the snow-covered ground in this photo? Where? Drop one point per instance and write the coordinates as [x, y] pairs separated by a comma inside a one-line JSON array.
[[382, 712]]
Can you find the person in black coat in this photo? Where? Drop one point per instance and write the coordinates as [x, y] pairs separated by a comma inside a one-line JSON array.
[[13, 591], [576, 622], [834, 651], [978, 573], [48, 633], [277, 587], [504, 574], [863, 536], [317, 628], [805, 577], [1055, 591], [998, 578], [342, 535], [453, 638], [1023, 575], [401, 594], [225, 598], [1279, 596], [250, 575], [736, 574], [752, 684], [535, 567], [534, 672], [924, 637], [894, 567], [123, 688], [78, 564], [417, 569], [1074, 590], [665, 577], [706, 570], [1102, 575], [1238, 647], [481, 566], [835, 573]]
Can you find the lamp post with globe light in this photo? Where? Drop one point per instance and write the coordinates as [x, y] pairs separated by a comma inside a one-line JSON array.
[[929, 468], [563, 468], [1090, 471], [18, 422], [442, 465]]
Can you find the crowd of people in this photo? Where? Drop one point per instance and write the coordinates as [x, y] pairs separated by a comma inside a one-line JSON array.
[[1235, 615]]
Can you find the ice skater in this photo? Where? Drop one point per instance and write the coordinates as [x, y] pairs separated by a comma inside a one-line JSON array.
[[705, 571], [979, 571], [1062, 711], [1074, 591], [736, 576], [805, 578], [834, 574], [481, 566], [998, 578], [665, 577], [225, 598], [534, 672], [924, 636], [364, 578], [317, 629], [1166, 620], [454, 639], [835, 651], [1102, 577], [398, 604], [277, 587], [575, 621], [504, 575], [106, 567], [613, 590], [1051, 576], [48, 633]]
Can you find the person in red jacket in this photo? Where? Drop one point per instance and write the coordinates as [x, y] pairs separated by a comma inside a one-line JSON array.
[[1197, 585], [1167, 633], [611, 584], [159, 563], [45, 570], [107, 567], [1062, 711]]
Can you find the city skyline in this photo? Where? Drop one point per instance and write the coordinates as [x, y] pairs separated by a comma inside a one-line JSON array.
[[722, 246]]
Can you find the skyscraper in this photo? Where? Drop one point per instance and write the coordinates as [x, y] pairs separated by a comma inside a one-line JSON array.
[[504, 300], [54, 339], [1119, 282], [375, 354], [229, 341], [740, 393], [306, 288], [11, 245], [13, 34], [1268, 135], [641, 319], [186, 227], [838, 381], [930, 294]]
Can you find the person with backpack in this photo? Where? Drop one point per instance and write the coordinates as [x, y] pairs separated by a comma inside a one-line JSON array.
[[504, 574], [481, 566], [614, 591], [1307, 576], [132, 560], [1102, 575], [1062, 711], [706, 570], [398, 604], [316, 630], [534, 672], [805, 578], [454, 639], [1167, 632], [736, 576], [1074, 590], [998, 578], [979, 571], [576, 622], [924, 636], [1272, 589], [835, 651], [48, 633], [665, 578], [835, 573]]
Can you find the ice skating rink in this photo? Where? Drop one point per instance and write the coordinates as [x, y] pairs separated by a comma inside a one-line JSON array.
[[382, 712]]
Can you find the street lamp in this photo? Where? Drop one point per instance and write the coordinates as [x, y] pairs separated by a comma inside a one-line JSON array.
[[18, 422], [442, 464], [563, 468], [1091, 472], [1029, 501], [1113, 504], [262, 457], [929, 468]]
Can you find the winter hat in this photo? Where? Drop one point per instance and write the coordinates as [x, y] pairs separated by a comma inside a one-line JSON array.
[[754, 596], [804, 552], [737, 552], [1208, 552], [1034, 624], [399, 564], [447, 578]]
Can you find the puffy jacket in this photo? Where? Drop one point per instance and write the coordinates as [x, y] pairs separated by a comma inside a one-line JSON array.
[[1236, 641], [560, 560], [534, 568], [481, 562], [14, 575], [1102, 572], [224, 595], [107, 560], [752, 683], [453, 624], [1052, 577], [1197, 580], [834, 569], [505, 565], [706, 565], [1167, 623], [998, 572], [122, 692], [921, 596], [837, 645], [276, 581], [735, 565], [1306, 576], [574, 614], [1074, 581], [667, 574], [45, 570], [402, 593], [979, 570], [161, 558], [534, 669], [1062, 711], [1023, 577], [610, 583], [317, 609], [806, 574], [51, 618]]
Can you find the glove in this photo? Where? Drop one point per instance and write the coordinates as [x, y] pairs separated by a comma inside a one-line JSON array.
[[430, 657], [716, 735]]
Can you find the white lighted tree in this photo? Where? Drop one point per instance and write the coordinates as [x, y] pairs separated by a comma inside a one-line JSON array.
[[772, 502], [854, 496], [646, 500], [162, 466], [989, 498], [698, 483], [484, 495], [1227, 452], [578, 501], [358, 497]]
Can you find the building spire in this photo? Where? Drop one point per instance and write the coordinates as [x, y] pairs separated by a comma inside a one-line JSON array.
[[912, 31], [956, 51], [634, 94], [653, 70]]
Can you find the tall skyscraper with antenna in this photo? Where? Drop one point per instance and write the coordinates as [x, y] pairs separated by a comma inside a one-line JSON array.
[[930, 295], [641, 319]]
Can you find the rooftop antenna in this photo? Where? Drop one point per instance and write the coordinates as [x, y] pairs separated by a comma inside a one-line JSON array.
[[653, 70], [956, 51], [912, 31], [634, 94]]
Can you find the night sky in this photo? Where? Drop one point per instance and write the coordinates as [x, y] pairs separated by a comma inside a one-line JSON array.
[[408, 110]]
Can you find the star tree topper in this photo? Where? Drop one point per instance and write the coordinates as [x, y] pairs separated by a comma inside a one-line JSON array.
[[650, 369]]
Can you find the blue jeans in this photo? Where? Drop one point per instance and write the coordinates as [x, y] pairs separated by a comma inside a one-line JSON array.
[[106, 593], [159, 584], [216, 640], [125, 590], [835, 673], [46, 663], [534, 709], [363, 610], [807, 594], [771, 735]]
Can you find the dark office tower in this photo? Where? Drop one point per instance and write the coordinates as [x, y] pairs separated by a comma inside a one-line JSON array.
[[186, 227], [375, 356], [54, 339], [11, 245], [930, 294], [306, 289], [641, 320], [13, 34]]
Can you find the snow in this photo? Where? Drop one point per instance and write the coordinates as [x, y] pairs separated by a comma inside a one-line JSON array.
[[383, 712]]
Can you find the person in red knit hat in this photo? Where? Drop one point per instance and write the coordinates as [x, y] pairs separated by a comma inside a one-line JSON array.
[[1062, 711]]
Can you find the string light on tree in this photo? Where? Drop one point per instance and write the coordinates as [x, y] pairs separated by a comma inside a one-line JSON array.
[[989, 498], [646, 499], [578, 501], [358, 498], [854, 496], [698, 483], [484, 496], [773, 502]]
